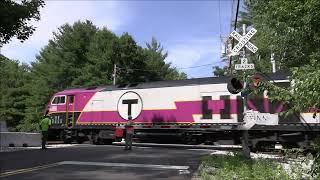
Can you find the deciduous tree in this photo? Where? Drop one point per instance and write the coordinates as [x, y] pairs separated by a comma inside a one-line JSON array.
[[15, 19]]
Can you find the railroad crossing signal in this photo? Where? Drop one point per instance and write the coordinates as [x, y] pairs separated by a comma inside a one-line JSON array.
[[234, 85], [243, 41]]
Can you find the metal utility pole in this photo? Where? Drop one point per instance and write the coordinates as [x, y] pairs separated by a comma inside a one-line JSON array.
[[273, 62], [114, 74], [234, 29]]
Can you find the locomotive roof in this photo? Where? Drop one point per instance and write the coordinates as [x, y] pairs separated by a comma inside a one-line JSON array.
[[187, 82], [173, 83]]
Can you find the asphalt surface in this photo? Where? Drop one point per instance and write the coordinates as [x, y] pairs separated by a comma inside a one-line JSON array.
[[100, 162]]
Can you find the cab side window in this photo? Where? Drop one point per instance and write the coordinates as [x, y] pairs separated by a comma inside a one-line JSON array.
[[59, 100], [62, 99], [55, 100]]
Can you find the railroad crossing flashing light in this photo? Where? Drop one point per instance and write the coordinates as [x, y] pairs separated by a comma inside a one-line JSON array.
[[256, 80], [234, 86]]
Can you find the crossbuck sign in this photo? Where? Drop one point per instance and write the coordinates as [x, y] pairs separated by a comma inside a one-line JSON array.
[[243, 41]]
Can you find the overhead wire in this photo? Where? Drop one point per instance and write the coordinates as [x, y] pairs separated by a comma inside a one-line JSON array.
[[152, 70]]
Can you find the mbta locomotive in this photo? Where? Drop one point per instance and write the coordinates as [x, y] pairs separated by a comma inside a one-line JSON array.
[[191, 111]]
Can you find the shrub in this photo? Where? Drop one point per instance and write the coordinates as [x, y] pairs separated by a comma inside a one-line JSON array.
[[238, 167]]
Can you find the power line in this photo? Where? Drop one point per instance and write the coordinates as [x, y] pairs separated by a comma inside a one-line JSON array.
[[151, 70], [199, 66]]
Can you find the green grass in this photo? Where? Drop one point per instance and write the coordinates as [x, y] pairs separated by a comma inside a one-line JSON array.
[[227, 167]]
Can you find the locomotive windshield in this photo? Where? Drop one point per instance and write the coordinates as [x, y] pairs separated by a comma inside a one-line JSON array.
[[59, 100]]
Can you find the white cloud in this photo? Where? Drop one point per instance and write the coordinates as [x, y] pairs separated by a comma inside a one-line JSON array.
[[183, 56], [194, 53], [56, 13]]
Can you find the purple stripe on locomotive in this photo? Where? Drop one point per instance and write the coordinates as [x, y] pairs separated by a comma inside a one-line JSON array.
[[183, 114]]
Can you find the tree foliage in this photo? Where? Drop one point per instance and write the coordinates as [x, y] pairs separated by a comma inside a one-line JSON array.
[[290, 30], [287, 28], [303, 94], [218, 72], [130, 59], [14, 78], [15, 19], [156, 65]]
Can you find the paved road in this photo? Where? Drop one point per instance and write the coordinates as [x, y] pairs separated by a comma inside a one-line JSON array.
[[100, 162]]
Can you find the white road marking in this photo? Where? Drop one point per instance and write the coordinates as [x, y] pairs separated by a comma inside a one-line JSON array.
[[154, 166], [206, 150], [182, 169], [60, 145], [221, 152], [179, 145], [144, 147], [184, 172], [11, 149], [94, 145]]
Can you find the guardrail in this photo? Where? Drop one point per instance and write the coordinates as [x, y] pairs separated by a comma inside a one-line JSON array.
[[19, 139]]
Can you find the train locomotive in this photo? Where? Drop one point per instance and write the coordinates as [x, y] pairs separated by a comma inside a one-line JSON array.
[[191, 111]]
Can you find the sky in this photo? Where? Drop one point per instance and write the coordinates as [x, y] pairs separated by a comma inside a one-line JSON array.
[[189, 30]]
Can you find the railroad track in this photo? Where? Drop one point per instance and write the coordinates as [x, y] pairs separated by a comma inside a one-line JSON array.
[[280, 151]]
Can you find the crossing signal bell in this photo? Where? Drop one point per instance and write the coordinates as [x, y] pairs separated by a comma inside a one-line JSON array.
[[234, 86]]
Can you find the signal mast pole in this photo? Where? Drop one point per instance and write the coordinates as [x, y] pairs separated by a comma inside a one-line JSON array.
[[245, 133]]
